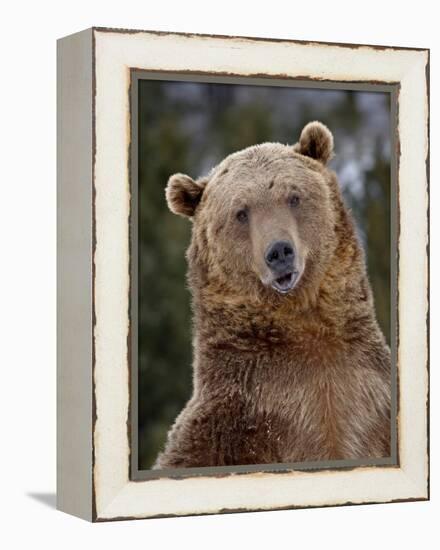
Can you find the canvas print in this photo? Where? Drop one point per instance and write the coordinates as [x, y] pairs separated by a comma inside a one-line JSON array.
[[264, 274], [249, 307]]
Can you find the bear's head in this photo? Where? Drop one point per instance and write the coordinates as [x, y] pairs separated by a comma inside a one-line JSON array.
[[264, 219]]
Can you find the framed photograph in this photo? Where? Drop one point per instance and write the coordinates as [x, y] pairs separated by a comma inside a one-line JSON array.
[[242, 274]]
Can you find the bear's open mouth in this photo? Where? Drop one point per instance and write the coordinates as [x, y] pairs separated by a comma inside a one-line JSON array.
[[286, 282]]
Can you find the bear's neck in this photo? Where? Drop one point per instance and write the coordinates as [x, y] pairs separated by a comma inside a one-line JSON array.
[[241, 325]]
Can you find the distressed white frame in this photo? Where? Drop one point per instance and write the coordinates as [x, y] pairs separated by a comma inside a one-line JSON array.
[[115, 53]]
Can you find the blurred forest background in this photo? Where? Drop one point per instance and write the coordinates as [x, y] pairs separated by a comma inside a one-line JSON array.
[[189, 127]]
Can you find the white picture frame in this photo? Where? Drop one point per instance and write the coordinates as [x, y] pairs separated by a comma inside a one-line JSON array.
[[95, 68]]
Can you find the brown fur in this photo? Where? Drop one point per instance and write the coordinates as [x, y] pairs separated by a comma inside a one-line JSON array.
[[278, 378]]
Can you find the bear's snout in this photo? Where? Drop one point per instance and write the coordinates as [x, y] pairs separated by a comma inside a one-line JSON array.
[[279, 256], [280, 259]]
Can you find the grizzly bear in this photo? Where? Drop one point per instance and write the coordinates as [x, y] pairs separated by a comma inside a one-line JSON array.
[[290, 364]]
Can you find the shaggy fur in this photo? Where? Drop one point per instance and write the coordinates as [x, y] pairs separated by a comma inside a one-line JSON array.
[[278, 377]]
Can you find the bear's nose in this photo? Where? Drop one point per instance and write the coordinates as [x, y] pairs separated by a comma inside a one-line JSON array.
[[279, 255]]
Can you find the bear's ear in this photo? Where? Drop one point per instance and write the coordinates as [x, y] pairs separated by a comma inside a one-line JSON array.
[[183, 194], [316, 142]]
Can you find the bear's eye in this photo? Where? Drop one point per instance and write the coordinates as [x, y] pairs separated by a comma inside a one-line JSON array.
[[242, 216], [294, 201]]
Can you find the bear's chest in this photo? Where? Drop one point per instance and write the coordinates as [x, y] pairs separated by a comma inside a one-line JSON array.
[[317, 404]]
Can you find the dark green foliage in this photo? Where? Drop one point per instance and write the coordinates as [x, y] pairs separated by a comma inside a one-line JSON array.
[[376, 214], [187, 127]]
